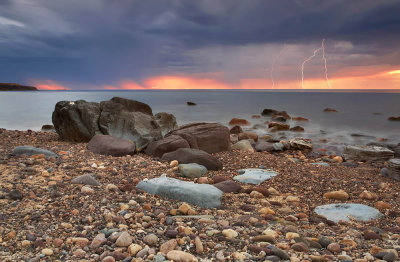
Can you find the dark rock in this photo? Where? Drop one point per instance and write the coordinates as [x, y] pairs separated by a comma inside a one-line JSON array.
[[394, 118], [280, 253], [297, 129], [190, 155], [324, 241], [278, 126], [209, 137], [48, 128], [16, 87], [15, 195], [236, 130], [269, 112], [171, 233], [219, 178], [190, 103], [247, 207], [165, 145], [393, 169], [300, 247], [76, 121], [389, 257], [279, 118], [262, 146], [368, 235], [272, 258], [109, 145], [330, 110], [228, 186]]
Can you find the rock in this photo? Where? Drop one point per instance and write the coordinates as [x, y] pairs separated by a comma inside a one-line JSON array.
[[129, 120], [320, 164], [239, 122], [199, 245], [180, 256], [203, 195], [190, 155], [394, 118], [297, 129], [229, 233], [219, 178], [243, 145], [365, 153], [108, 259], [359, 212], [190, 103], [209, 137], [368, 195], [394, 168], [15, 195], [87, 190], [236, 130], [330, 110], [48, 128], [300, 119], [263, 146], [167, 122], [278, 126], [109, 145], [76, 121], [168, 246], [47, 251], [86, 179], [124, 240], [165, 145], [337, 195], [191, 170], [269, 112], [228, 186], [324, 241], [300, 143], [30, 151], [279, 118], [133, 249], [254, 176], [150, 239], [98, 241], [390, 257], [263, 238], [381, 205], [334, 247], [248, 135], [300, 247], [280, 253], [368, 235]]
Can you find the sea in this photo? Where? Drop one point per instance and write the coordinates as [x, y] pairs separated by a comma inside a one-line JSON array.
[[362, 116]]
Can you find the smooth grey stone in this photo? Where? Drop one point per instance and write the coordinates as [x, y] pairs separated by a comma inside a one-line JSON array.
[[191, 170], [254, 175], [320, 164], [278, 146], [30, 150], [85, 180], [343, 211], [203, 195]]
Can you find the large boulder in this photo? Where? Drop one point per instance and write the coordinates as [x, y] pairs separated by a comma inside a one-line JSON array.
[[109, 145], [191, 155], [165, 145], [365, 153], [118, 118], [76, 121], [203, 195], [209, 137]]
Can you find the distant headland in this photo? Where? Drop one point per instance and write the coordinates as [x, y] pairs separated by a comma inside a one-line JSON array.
[[16, 87]]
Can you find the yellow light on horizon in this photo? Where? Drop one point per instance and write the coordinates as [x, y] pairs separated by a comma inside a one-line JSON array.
[[394, 72]]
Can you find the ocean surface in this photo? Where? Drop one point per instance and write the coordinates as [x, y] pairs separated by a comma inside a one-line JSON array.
[[361, 117]]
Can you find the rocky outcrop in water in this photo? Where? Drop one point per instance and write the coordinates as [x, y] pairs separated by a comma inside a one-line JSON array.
[[16, 87], [123, 118]]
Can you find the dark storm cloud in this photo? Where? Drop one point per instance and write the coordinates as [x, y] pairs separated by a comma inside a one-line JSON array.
[[100, 41]]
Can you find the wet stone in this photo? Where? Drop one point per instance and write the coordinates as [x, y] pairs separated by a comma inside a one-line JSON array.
[[254, 175]]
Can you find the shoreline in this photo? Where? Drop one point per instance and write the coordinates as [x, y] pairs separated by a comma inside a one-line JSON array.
[[50, 200]]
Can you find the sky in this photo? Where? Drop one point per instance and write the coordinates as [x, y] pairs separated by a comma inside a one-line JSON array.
[[202, 44]]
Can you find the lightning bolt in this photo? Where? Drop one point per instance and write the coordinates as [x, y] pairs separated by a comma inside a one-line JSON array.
[[322, 48], [271, 72]]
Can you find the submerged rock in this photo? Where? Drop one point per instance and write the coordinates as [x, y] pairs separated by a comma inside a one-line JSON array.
[[365, 153], [345, 211], [328, 109], [30, 150], [203, 195], [239, 122], [191, 103], [254, 175]]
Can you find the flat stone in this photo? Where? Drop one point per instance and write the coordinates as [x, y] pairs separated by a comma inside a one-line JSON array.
[[320, 164], [203, 195], [359, 212], [85, 180], [254, 175], [364, 153], [30, 151]]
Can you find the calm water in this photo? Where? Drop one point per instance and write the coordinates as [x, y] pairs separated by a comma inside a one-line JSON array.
[[30, 110]]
